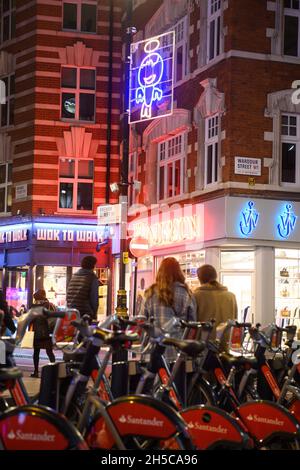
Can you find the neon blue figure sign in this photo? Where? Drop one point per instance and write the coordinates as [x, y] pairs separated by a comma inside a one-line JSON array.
[[249, 219], [151, 78], [287, 222]]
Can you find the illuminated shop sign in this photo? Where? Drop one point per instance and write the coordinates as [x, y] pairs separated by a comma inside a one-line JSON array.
[[151, 78], [287, 222], [11, 235], [249, 219]]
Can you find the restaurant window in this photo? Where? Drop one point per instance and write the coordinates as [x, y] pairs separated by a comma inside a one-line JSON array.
[[291, 28], [78, 93], [7, 20], [290, 168], [7, 108], [211, 149], [80, 16], [171, 167], [214, 29], [76, 179], [5, 187]]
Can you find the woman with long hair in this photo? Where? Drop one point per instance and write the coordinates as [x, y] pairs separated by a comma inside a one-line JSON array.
[[169, 296]]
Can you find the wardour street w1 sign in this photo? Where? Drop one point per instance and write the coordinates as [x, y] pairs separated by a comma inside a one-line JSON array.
[[151, 78]]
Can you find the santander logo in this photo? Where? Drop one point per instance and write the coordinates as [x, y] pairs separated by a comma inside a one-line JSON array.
[[260, 419], [144, 422], [206, 427], [29, 436]]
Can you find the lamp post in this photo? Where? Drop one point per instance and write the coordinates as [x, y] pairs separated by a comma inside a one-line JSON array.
[[119, 382]]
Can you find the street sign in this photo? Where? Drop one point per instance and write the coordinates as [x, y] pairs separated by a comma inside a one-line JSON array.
[[109, 214], [151, 78], [247, 166], [139, 246]]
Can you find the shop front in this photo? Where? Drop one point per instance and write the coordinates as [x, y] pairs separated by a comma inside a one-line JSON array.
[[43, 253], [253, 243]]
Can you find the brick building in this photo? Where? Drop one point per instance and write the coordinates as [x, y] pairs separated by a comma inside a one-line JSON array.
[[59, 138], [229, 153]]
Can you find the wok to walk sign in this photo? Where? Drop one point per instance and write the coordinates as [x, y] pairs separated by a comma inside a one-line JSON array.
[[151, 78]]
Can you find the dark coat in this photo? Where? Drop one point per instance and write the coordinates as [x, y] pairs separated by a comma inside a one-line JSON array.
[[41, 328]]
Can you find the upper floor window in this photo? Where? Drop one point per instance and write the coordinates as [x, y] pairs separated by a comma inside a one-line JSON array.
[[132, 176], [78, 93], [80, 16], [211, 149], [171, 167], [7, 20], [214, 29], [7, 109], [76, 178], [291, 45], [181, 50], [5, 187], [290, 148]]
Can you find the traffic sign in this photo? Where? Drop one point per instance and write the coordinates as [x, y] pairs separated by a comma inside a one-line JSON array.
[[139, 246]]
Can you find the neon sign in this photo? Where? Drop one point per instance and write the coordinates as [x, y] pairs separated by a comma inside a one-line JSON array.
[[287, 222], [249, 219], [151, 78]]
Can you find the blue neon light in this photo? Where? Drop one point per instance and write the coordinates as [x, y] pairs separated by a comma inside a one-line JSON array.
[[287, 222], [151, 78], [249, 219]]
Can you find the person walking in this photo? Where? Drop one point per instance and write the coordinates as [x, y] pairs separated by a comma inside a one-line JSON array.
[[214, 301], [7, 318], [41, 338], [169, 297], [82, 291]]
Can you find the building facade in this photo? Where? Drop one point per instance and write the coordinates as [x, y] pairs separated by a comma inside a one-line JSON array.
[[61, 64], [220, 177]]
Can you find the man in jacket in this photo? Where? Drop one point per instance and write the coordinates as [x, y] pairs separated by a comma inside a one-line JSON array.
[[214, 301], [82, 292]]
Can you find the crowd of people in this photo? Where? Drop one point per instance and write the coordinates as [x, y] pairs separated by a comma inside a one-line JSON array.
[[167, 298]]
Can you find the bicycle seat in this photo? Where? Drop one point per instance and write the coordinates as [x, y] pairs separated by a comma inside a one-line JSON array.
[[238, 360], [190, 347], [11, 373]]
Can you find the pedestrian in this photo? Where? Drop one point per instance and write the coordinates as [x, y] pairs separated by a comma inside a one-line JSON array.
[[7, 317], [169, 297], [214, 301], [82, 291], [41, 328]]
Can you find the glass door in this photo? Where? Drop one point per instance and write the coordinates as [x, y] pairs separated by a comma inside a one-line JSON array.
[[241, 284]]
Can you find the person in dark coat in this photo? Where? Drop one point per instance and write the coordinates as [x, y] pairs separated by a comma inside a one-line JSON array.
[[82, 291], [41, 339], [7, 318]]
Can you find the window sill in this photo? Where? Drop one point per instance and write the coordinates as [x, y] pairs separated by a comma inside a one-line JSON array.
[[77, 31], [73, 211], [77, 122]]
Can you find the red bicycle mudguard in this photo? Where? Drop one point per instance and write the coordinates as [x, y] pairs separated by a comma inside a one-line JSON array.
[[136, 416], [212, 428], [265, 419], [37, 428]]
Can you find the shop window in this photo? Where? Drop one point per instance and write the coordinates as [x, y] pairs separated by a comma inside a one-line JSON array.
[[7, 20], [241, 260], [76, 184], [171, 167], [290, 167], [211, 149], [78, 93], [55, 284], [80, 16], [5, 187], [214, 29], [291, 45], [287, 286], [7, 109]]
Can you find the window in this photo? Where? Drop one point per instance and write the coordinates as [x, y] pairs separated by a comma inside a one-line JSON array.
[[214, 29], [291, 45], [171, 167], [78, 93], [7, 109], [5, 187], [181, 50], [76, 184], [132, 175], [7, 20], [211, 149], [290, 147], [80, 16]]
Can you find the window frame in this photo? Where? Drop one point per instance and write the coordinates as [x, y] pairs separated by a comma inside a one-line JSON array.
[[290, 139], [11, 13], [77, 92], [75, 181], [216, 18], [214, 142], [132, 175], [9, 98], [171, 160], [6, 185], [183, 42], [79, 4], [296, 13]]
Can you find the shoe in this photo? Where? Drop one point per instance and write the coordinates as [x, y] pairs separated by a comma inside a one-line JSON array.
[[35, 374]]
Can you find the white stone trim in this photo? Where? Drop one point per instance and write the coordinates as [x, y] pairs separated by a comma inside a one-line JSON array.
[[268, 136]]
